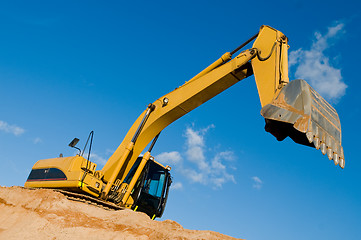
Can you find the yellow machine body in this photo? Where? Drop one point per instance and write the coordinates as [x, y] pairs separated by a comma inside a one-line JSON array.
[[290, 109], [67, 173]]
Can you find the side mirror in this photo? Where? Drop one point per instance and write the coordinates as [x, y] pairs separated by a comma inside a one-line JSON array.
[[74, 142]]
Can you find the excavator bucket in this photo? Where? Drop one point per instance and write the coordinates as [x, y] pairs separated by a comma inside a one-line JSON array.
[[300, 113]]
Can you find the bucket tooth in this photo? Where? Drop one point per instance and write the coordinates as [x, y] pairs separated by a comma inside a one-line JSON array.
[[316, 142], [335, 157], [336, 161], [323, 148], [342, 162], [300, 113], [309, 136], [329, 153]]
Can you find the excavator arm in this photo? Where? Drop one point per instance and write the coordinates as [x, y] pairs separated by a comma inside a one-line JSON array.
[[268, 61]]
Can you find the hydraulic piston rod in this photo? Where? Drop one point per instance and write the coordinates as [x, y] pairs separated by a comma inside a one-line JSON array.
[[126, 153]]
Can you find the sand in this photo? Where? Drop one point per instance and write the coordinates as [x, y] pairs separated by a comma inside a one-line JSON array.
[[45, 214]]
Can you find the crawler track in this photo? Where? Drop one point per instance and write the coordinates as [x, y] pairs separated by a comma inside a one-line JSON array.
[[86, 199], [89, 200]]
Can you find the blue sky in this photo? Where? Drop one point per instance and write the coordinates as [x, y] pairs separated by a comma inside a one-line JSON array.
[[67, 68]]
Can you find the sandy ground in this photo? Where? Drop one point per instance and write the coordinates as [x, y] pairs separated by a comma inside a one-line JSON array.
[[45, 214]]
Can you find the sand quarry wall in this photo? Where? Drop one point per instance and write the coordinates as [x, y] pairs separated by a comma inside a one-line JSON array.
[[45, 214]]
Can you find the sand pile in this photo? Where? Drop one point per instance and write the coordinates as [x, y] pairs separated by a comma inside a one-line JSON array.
[[45, 214]]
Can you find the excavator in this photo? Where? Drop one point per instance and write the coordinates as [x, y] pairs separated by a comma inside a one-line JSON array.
[[133, 180]]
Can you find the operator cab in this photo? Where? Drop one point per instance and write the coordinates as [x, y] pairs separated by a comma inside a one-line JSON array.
[[151, 191]]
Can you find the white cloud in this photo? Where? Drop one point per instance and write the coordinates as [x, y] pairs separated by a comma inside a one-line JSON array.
[[16, 130], [169, 158], [195, 147], [257, 182], [315, 67], [176, 186], [196, 166], [195, 138], [95, 158], [194, 176], [219, 171]]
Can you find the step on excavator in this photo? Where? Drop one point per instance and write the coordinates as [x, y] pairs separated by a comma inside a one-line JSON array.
[[131, 180]]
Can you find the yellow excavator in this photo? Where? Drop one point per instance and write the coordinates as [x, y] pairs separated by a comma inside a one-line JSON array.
[[128, 179]]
